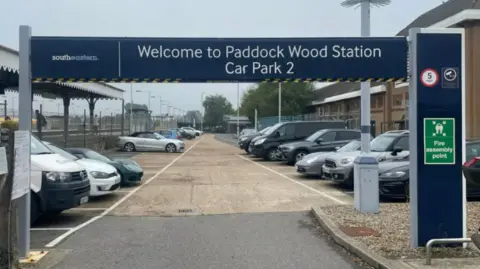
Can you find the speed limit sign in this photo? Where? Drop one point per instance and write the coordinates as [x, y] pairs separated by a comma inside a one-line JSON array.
[[429, 77]]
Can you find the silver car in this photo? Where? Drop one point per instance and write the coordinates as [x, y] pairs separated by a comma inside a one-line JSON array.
[[312, 163], [390, 145], [149, 141]]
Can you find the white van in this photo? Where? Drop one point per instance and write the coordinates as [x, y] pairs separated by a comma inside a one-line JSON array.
[[57, 184]]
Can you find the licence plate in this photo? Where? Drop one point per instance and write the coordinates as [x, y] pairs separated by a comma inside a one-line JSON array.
[[326, 170], [83, 200]]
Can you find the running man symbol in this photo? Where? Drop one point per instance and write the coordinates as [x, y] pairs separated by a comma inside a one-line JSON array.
[[439, 128]]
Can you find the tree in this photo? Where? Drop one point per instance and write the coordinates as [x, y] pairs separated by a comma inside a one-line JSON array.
[[216, 106], [296, 97]]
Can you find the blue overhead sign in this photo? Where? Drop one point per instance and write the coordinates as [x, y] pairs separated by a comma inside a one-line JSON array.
[[218, 59]]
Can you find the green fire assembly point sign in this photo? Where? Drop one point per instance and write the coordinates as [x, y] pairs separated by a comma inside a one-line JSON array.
[[439, 140]]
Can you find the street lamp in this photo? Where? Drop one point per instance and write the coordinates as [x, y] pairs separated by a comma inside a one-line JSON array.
[[159, 102], [203, 111], [148, 97], [365, 197]]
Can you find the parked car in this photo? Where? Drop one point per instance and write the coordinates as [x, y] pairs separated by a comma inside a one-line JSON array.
[[193, 131], [245, 141], [312, 163], [266, 146], [324, 140], [171, 133], [149, 141], [186, 134], [57, 184], [247, 131], [130, 171], [390, 145], [394, 175], [104, 178]]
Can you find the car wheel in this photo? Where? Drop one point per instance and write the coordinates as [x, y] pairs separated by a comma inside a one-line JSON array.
[[299, 155], [129, 147], [34, 208], [271, 155], [197, 134], [170, 148]]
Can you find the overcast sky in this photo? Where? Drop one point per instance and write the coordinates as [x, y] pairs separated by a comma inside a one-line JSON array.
[[194, 18]]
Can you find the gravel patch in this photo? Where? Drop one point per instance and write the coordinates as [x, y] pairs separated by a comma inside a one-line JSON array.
[[393, 224]]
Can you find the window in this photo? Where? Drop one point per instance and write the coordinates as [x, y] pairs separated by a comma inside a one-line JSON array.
[[147, 135], [373, 102], [402, 143], [329, 137], [397, 100], [286, 130], [346, 135], [379, 101]]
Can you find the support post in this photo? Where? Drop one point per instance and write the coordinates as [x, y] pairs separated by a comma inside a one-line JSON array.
[[25, 124], [66, 115], [256, 120], [279, 102], [437, 136], [122, 120]]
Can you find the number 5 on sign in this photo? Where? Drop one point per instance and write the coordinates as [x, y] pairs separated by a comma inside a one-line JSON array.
[[429, 77]]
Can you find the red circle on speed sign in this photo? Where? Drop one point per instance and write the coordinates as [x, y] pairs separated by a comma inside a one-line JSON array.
[[429, 77]]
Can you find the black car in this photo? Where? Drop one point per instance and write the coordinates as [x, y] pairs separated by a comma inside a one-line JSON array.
[[323, 140], [244, 141], [394, 175], [266, 146]]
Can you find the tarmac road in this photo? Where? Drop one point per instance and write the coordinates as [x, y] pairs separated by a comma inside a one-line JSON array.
[[205, 209]]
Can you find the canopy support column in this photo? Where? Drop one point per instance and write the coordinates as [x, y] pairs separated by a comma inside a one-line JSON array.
[[91, 108], [66, 106], [122, 120]]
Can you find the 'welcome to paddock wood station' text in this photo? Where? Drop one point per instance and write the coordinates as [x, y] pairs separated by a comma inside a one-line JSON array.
[[257, 53]]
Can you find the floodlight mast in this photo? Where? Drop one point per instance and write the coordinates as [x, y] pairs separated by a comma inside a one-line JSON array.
[[365, 86], [365, 196]]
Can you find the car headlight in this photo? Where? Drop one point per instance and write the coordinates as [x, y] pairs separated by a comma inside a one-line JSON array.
[[58, 176], [348, 160], [260, 141], [393, 174], [243, 139], [97, 174]]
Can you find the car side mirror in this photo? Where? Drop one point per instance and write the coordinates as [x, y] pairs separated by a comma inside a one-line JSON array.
[[396, 150], [319, 141], [277, 134]]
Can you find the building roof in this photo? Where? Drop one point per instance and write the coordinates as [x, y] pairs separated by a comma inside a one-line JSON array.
[[348, 95], [440, 13]]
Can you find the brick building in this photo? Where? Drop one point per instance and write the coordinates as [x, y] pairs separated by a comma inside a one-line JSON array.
[[389, 101]]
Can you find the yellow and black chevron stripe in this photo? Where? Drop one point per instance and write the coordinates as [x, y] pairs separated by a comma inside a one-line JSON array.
[[110, 80], [177, 80], [335, 80]]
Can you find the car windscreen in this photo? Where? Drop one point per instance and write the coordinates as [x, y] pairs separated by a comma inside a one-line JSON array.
[[37, 147], [351, 146], [273, 129], [264, 130], [90, 154], [62, 152], [382, 142], [158, 136], [313, 137]]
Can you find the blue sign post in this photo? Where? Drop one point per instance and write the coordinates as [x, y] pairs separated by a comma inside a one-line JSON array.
[[437, 131], [218, 59]]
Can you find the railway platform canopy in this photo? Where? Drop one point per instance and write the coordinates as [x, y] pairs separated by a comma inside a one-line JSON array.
[[64, 90]]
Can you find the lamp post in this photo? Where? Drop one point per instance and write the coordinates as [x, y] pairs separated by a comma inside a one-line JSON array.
[[238, 109], [203, 112], [366, 199]]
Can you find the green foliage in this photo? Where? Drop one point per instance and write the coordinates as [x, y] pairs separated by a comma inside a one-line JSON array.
[[264, 97], [216, 106], [9, 124]]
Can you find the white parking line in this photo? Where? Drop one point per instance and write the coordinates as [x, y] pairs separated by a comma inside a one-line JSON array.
[[51, 229], [88, 208], [295, 181], [59, 239]]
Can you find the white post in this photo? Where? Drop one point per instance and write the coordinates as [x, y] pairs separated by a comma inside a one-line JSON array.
[[238, 109], [24, 124], [203, 110], [365, 86], [279, 102]]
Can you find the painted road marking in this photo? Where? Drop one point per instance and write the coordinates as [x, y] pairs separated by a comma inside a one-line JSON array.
[[326, 195], [62, 237], [52, 229], [88, 208]]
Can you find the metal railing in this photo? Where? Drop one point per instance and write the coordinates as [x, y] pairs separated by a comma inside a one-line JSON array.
[[431, 242]]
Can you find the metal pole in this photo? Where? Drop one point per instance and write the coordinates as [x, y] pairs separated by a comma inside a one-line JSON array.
[[131, 107], [365, 86], [203, 112], [256, 121], [25, 124], [238, 109], [279, 102]]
